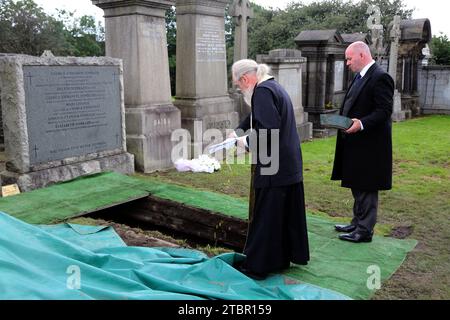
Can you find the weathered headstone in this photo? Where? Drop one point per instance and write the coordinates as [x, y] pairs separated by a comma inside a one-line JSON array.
[[286, 65], [241, 12], [397, 114], [136, 33], [202, 89], [62, 118]]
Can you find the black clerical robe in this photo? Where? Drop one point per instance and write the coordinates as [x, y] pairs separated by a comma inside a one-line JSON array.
[[277, 232]]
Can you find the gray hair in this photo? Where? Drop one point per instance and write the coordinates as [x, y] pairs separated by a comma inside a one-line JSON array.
[[245, 66]]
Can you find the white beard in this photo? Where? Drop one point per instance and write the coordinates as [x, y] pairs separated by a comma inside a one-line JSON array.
[[248, 96]]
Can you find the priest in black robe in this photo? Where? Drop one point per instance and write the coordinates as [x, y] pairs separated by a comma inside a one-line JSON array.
[[277, 233]]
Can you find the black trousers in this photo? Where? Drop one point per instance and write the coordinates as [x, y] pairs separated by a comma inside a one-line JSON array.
[[277, 233], [365, 210]]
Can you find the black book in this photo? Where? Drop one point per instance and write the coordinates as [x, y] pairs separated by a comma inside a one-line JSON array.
[[335, 121]]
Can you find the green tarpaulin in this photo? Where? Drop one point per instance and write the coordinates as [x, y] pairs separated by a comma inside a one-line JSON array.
[[67, 262], [351, 269]]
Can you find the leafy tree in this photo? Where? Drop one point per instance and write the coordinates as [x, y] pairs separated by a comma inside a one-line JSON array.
[[271, 29], [171, 29], [440, 49], [85, 36], [26, 29]]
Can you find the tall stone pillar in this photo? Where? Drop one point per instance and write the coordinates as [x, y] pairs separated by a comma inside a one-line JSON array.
[[397, 113], [136, 33], [286, 65], [202, 89]]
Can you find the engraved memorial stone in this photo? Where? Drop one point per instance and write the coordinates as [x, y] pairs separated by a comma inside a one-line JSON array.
[[71, 111], [63, 117], [201, 79], [135, 33]]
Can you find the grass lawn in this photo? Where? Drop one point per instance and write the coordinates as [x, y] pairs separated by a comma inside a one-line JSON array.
[[417, 207]]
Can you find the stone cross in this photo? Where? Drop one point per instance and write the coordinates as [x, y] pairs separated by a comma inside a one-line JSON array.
[[395, 38], [397, 113], [374, 24], [241, 13]]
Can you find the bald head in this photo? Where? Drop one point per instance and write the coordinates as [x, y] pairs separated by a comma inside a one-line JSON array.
[[358, 56], [360, 47]]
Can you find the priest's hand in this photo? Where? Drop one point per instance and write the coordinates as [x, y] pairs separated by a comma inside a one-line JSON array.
[[242, 143], [232, 134]]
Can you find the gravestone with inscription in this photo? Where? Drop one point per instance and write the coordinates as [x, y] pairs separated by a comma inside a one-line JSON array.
[[202, 89], [136, 33], [62, 118]]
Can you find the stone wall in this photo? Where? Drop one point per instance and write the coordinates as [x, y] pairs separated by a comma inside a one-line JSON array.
[[434, 89]]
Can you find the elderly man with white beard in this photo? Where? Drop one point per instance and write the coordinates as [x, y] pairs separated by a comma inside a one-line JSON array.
[[277, 233]]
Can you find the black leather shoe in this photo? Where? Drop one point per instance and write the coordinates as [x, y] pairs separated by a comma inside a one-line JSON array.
[[345, 228], [356, 236]]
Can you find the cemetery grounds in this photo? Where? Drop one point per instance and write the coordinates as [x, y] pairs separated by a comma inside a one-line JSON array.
[[418, 206]]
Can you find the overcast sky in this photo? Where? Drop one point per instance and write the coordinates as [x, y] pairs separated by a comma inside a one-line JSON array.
[[438, 11]]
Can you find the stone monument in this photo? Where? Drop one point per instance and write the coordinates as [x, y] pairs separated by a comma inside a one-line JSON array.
[[376, 30], [241, 12], [286, 65], [324, 84], [397, 113], [415, 35], [202, 89], [136, 33], [62, 118]]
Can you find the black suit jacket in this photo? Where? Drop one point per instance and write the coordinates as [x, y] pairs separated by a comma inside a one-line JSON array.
[[363, 160], [273, 109]]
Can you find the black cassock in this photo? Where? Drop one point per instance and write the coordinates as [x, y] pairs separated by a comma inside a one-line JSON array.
[[277, 232]]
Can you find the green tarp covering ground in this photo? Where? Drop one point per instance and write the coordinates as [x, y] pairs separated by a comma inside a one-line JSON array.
[[73, 198], [67, 262], [341, 266]]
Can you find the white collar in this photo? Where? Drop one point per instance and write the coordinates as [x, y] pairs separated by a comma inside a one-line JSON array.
[[366, 68], [265, 78]]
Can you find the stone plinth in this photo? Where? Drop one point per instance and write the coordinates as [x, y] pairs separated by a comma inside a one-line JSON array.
[[135, 32], [202, 89], [398, 114], [62, 118], [286, 65]]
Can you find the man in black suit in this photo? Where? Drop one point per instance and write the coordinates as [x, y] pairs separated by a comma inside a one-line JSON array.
[[363, 157], [277, 233]]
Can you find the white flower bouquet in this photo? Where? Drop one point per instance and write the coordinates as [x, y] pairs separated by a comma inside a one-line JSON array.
[[204, 163]]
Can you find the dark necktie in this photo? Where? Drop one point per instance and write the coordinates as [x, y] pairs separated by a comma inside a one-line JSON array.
[[357, 81], [351, 94]]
